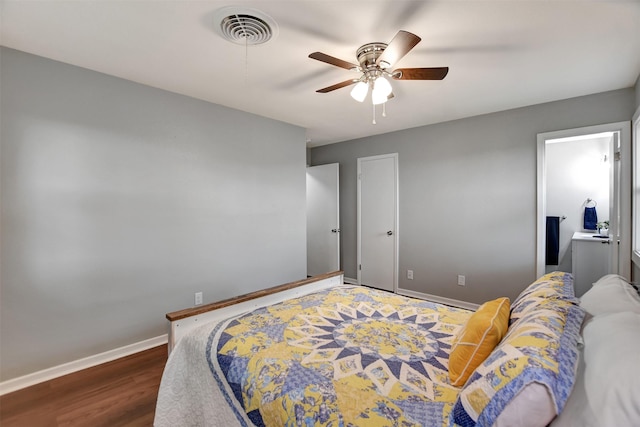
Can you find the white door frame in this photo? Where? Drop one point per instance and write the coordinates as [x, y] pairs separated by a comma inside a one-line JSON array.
[[635, 228], [624, 128], [396, 187]]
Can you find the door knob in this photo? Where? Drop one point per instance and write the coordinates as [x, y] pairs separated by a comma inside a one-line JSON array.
[[389, 233]]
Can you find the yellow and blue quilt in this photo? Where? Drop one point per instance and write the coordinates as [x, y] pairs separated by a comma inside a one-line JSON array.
[[354, 356], [347, 356]]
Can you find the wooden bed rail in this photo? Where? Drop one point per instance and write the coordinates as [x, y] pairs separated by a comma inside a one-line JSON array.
[[188, 312], [183, 320]]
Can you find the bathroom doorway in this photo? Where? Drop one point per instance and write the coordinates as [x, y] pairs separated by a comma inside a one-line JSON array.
[[580, 168]]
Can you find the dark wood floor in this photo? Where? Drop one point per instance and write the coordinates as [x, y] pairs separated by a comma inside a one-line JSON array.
[[118, 393]]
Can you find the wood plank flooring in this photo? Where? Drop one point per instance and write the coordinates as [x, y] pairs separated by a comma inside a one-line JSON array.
[[119, 393]]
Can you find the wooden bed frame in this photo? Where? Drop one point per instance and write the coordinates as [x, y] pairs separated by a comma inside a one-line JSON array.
[[182, 321]]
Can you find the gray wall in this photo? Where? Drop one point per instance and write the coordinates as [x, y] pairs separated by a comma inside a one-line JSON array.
[[467, 194], [119, 201]]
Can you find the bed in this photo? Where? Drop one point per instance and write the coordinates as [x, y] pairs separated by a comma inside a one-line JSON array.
[[319, 352]]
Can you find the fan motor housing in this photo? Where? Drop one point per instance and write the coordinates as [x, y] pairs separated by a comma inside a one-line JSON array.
[[369, 53]]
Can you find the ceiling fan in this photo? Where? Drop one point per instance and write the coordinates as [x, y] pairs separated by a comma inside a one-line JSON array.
[[375, 60]]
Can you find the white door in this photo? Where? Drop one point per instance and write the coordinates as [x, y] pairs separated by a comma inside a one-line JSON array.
[[323, 219], [378, 221]]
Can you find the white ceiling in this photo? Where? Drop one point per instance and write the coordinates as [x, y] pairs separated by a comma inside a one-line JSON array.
[[501, 54]]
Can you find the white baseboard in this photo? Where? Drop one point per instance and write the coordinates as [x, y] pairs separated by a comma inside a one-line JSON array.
[[78, 365], [438, 299], [350, 281]]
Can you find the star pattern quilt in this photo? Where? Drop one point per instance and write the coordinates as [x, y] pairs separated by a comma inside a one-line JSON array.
[[355, 356], [345, 356]]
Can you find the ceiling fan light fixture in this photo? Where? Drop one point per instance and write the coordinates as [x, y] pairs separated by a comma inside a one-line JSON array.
[[360, 90], [378, 98], [381, 91], [375, 61], [382, 86]]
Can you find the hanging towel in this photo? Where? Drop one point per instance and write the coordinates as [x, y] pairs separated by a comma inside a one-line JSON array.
[[553, 240], [590, 218]]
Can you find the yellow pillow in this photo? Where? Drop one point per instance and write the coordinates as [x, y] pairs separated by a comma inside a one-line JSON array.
[[477, 339]]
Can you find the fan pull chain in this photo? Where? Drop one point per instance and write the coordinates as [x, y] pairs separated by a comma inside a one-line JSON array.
[[246, 60], [384, 112]]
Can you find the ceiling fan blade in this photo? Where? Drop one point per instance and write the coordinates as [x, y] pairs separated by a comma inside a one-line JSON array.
[[437, 73], [398, 47], [337, 86], [319, 56]]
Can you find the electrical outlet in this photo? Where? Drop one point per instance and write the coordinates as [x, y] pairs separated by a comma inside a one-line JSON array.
[[198, 298], [410, 274], [461, 280]]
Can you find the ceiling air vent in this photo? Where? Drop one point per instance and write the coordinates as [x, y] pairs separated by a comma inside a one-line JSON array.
[[245, 26]]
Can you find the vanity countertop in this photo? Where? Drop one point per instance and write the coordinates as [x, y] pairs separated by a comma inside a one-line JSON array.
[[592, 237]]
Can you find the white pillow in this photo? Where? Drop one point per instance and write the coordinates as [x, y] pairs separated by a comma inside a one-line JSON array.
[[610, 294], [610, 279], [608, 383], [532, 407]]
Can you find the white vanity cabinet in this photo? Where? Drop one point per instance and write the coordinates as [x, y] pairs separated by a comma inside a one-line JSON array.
[[590, 260]]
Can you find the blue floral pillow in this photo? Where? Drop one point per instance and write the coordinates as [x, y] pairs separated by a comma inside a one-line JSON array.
[[556, 285]]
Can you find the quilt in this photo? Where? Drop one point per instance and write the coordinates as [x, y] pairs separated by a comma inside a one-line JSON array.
[[355, 356], [346, 356]]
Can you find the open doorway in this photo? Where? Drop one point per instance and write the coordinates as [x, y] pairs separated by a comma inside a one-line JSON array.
[[580, 168], [578, 180]]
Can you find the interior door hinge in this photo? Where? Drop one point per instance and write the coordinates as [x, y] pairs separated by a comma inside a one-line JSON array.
[[617, 156], [360, 266]]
